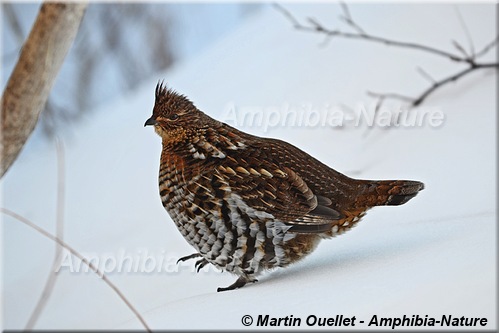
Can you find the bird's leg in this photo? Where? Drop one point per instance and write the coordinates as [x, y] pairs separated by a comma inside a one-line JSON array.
[[200, 264], [192, 256], [240, 282]]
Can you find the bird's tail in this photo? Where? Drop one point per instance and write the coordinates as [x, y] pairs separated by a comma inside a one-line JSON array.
[[389, 192]]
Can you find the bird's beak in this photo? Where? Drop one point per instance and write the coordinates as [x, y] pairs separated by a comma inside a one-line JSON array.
[[151, 121]]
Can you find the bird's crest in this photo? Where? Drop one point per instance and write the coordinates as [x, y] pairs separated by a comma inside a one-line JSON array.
[[170, 96], [161, 90]]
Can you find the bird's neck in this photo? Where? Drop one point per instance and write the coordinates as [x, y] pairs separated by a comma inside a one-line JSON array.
[[203, 144]]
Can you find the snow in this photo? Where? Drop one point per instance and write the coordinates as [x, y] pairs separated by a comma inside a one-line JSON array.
[[434, 256]]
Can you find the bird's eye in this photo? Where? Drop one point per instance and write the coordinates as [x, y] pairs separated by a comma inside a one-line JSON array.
[[174, 116]]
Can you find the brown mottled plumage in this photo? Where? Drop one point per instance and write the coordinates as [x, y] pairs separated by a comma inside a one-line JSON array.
[[247, 204]]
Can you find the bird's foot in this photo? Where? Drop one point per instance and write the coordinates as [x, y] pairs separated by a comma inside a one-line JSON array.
[[240, 282]]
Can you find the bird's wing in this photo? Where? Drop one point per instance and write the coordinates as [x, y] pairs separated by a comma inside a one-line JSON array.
[[265, 186]]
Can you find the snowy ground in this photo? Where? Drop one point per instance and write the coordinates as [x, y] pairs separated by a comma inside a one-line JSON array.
[[434, 256]]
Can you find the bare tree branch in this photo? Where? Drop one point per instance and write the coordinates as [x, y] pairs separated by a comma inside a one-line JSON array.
[[30, 83], [84, 260], [52, 277], [317, 27], [415, 101], [467, 57], [348, 19]]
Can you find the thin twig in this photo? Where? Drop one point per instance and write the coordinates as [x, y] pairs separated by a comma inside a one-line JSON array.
[[286, 13], [317, 27], [467, 57], [79, 256], [348, 19], [415, 101], [442, 82], [466, 32], [52, 277], [461, 49], [426, 75], [487, 47]]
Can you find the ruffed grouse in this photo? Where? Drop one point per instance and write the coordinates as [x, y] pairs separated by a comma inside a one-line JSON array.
[[247, 204]]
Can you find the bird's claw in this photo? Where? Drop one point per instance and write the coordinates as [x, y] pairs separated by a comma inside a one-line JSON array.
[[192, 256], [200, 264]]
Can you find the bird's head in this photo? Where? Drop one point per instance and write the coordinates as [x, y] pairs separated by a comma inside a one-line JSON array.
[[174, 113]]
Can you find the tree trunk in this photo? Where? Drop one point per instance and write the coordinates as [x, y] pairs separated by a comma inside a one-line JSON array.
[[30, 83]]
